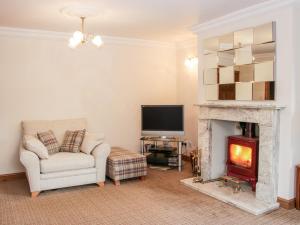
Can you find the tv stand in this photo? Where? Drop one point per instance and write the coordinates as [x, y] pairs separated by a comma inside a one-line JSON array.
[[163, 149]]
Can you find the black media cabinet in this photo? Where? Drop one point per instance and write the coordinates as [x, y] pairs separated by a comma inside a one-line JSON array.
[[159, 152]]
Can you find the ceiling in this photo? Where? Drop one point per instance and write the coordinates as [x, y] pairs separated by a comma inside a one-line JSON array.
[[162, 20]]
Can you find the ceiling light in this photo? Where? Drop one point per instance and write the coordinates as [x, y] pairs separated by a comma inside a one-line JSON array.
[[80, 38]]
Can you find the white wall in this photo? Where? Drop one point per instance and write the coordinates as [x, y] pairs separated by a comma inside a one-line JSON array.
[[187, 89], [41, 78], [286, 79], [296, 116]]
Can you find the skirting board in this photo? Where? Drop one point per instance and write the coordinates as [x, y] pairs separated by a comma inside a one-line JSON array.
[[12, 176], [286, 204]]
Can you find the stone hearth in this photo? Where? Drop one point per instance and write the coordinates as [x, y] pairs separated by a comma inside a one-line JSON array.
[[267, 118], [244, 200]]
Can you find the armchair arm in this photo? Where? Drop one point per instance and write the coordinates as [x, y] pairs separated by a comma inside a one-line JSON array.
[[31, 163], [100, 154]]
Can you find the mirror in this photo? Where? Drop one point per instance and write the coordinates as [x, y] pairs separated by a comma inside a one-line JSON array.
[[226, 58], [243, 56], [210, 61], [241, 65], [227, 92], [264, 71], [263, 91], [226, 75], [226, 42], [211, 92], [210, 45], [263, 52], [244, 73], [243, 38], [243, 91], [210, 76], [264, 33]]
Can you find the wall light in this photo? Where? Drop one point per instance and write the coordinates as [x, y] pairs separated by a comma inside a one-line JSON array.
[[191, 62]]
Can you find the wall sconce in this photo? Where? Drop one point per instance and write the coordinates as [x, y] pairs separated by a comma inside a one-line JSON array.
[[191, 62]]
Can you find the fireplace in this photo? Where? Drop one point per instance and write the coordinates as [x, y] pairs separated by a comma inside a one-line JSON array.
[[218, 121], [242, 159]]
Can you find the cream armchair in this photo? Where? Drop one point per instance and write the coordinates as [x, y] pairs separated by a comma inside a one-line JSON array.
[[62, 169]]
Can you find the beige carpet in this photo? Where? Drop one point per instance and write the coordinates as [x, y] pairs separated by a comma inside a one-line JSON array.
[[160, 199]]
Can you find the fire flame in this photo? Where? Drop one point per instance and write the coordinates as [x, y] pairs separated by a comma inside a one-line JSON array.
[[240, 155]]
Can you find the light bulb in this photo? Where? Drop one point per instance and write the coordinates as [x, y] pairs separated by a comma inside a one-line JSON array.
[[78, 36], [97, 40], [191, 62], [73, 43], [188, 63]]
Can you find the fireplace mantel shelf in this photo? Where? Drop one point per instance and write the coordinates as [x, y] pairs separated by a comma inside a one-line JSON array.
[[241, 106]]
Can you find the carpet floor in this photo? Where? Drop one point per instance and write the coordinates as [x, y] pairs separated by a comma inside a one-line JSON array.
[[160, 199]]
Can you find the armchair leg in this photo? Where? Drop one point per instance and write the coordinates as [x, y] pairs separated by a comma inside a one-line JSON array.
[[34, 194], [101, 184]]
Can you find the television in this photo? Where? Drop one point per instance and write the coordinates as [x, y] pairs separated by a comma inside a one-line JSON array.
[[162, 120]]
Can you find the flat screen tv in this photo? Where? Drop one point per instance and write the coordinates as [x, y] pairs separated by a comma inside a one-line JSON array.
[[162, 120]]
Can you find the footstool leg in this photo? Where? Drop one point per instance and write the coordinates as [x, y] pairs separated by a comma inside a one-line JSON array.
[[117, 182], [101, 184], [142, 178]]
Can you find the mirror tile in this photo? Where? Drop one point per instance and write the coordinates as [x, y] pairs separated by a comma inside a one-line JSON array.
[[244, 73], [226, 75], [264, 33], [263, 52], [264, 71], [263, 91], [226, 91], [243, 56], [243, 38], [226, 42], [243, 91], [210, 76], [211, 92], [211, 45], [210, 61], [226, 58]]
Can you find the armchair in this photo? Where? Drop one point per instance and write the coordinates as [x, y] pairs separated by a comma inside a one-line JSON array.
[[62, 169]]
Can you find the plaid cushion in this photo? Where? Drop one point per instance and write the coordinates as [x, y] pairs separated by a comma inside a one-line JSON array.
[[72, 141], [124, 164], [49, 140]]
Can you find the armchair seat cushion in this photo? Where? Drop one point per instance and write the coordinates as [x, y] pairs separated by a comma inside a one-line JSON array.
[[64, 161]]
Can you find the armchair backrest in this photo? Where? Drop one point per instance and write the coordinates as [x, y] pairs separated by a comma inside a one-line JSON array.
[[59, 127]]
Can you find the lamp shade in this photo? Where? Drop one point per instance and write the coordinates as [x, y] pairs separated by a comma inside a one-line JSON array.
[[97, 40]]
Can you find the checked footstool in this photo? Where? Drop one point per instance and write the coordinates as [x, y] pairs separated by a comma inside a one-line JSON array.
[[123, 164]]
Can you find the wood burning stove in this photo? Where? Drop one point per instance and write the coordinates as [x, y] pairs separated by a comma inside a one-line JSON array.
[[242, 158]]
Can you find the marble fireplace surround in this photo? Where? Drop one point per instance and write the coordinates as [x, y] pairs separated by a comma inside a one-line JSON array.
[[267, 117]]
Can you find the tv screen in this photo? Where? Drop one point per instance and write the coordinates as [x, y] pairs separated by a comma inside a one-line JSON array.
[[163, 120]]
